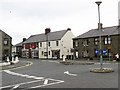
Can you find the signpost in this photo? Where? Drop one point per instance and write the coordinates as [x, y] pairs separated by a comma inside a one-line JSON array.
[[97, 52], [104, 51]]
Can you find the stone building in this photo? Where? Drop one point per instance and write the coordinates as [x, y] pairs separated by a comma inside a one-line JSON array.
[[5, 45], [87, 45]]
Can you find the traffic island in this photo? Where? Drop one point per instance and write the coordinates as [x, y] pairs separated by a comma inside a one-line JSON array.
[[102, 70], [72, 62]]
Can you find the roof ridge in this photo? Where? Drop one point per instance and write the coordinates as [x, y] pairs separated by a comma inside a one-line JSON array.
[[50, 32]]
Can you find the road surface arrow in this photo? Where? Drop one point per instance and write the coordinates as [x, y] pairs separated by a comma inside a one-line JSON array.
[[67, 72]]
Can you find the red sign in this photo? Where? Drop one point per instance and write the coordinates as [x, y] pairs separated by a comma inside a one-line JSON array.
[[27, 46], [33, 45]]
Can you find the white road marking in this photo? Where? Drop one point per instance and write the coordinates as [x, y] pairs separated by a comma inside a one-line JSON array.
[[16, 86], [46, 84], [21, 75], [46, 81], [67, 72], [20, 84]]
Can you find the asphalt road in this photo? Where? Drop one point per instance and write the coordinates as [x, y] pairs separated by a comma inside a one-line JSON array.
[[50, 74]]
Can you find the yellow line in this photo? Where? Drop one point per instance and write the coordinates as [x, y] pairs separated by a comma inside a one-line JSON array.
[[29, 64]]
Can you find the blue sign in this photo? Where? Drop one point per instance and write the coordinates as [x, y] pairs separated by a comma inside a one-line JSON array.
[[104, 51], [97, 52]]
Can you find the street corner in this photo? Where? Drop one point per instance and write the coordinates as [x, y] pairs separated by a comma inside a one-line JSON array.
[[20, 64]]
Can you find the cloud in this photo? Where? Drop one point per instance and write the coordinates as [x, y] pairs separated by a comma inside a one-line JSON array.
[[22, 18]]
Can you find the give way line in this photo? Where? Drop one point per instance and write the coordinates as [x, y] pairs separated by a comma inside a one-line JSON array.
[[45, 80]]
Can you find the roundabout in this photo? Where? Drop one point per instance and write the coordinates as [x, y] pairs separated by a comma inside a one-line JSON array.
[[101, 70]]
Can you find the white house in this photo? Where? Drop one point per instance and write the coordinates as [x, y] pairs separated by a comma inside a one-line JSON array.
[[52, 45]]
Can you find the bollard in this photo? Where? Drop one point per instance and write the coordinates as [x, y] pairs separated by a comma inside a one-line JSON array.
[[16, 59], [8, 60]]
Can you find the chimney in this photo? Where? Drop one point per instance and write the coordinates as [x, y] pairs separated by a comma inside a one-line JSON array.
[[101, 26], [47, 30], [69, 29], [24, 39]]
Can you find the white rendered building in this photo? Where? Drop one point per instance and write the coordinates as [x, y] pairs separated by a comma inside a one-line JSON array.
[[50, 45]]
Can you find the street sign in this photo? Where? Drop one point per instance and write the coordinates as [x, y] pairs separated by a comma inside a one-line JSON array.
[[104, 51], [97, 52]]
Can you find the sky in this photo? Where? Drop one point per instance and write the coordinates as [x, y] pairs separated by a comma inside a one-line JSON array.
[[23, 18]]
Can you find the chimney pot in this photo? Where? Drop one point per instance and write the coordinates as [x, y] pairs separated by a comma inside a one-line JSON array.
[[24, 39], [69, 29], [47, 30]]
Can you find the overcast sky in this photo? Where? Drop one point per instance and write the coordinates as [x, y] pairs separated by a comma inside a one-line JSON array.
[[22, 18]]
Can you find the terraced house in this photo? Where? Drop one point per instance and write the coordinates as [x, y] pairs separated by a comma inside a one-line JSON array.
[[87, 45], [5, 45], [53, 45]]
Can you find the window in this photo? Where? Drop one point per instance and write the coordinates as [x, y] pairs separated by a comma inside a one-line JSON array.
[[49, 52], [107, 40], [85, 53], [85, 42], [40, 44], [57, 43], [36, 54], [49, 44], [42, 53], [96, 41], [76, 43], [5, 41], [37, 44]]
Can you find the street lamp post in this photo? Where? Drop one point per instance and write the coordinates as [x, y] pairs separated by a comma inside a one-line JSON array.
[[99, 27]]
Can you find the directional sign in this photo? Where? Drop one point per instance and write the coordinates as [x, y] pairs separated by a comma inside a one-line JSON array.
[[97, 52], [67, 72], [104, 51]]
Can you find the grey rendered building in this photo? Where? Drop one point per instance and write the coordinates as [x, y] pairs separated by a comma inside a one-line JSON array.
[[87, 45], [5, 45]]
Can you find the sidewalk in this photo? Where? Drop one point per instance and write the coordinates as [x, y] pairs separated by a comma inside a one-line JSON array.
[[5, 65]]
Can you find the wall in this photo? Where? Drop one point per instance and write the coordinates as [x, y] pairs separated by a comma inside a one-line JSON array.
[[0, 45], [115, 44], [4, 47], [66, 44]]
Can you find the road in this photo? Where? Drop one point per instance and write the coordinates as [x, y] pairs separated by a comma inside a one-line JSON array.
[[51, 74]]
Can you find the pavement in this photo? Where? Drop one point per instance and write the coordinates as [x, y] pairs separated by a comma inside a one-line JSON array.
[[6, 65]]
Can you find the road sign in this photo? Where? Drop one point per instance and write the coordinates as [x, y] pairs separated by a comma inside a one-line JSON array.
[[97, 52], [104, 51]]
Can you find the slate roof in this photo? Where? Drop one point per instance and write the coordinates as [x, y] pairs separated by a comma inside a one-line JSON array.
[[42, 37], [115, 30], [19, 44], [5, 33]]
